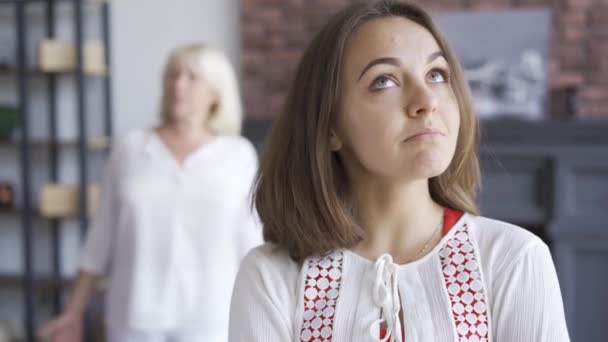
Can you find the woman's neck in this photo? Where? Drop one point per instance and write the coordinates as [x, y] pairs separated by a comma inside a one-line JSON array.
[[186, 131], [399, 219], [183, 140]]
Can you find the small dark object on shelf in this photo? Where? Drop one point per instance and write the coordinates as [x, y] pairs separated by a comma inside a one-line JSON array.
[[6, 196]]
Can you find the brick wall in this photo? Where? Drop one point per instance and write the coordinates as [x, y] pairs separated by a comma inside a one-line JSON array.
[[275, 32]]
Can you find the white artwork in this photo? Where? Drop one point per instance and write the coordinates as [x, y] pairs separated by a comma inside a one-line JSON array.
[[504, 57]]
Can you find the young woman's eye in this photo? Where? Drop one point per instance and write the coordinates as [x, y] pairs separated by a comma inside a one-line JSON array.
[[382, 82], [438, 76]]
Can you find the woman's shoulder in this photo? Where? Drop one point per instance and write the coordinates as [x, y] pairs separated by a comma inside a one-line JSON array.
[[271, 259], [239, 150], [124, 145], [237, 143], [133, 138], [502, 244], [268, 270], [501, 233]]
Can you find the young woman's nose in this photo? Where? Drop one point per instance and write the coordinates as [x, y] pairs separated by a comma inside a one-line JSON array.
[[421, 100]]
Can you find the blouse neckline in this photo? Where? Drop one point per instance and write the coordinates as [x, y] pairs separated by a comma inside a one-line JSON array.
[[452, 220], [158, 147]]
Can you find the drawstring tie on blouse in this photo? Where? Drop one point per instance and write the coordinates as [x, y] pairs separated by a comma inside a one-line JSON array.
[[386, 296]]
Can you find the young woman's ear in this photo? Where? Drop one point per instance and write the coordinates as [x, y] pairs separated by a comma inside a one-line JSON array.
[[335, 144]]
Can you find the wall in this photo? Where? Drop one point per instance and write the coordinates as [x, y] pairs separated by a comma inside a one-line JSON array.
[[271, 49], [141, 44]]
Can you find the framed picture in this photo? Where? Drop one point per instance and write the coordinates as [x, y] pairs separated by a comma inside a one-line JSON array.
[[504, 57]]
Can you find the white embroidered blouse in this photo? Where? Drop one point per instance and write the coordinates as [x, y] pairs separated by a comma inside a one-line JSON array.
[[485, 281]]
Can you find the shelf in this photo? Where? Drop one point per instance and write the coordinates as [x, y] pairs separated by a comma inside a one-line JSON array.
[[8, 280], [62, 61], [44, 282], [96, 143], [15, 212], [9, 2], [10, 70], [36, 214], [59, 201]]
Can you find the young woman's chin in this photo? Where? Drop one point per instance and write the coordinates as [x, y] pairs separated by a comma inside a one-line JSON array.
[[426, 166]]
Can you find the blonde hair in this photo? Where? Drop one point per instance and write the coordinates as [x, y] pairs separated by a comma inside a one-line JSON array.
[[226, 115]]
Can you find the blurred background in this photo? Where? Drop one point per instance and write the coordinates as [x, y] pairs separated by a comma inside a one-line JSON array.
[[537, 68]]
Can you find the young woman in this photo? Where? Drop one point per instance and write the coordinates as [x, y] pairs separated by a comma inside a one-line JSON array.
[[366, 192], [174, 219]]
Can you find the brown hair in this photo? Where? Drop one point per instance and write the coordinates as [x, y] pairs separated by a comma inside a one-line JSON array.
[[301, 193]]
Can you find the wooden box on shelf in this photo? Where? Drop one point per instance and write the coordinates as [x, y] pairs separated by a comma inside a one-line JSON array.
[[61, 200], [60, 56]]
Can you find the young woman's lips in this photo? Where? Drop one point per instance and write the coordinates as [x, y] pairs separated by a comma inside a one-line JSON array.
[[428, 134]]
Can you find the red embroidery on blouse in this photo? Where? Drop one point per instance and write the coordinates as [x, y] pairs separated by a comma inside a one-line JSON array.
[[323, 278], [465, 287]]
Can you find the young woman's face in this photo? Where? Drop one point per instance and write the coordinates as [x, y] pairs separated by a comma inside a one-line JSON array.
[[187, 93], [398, 117]]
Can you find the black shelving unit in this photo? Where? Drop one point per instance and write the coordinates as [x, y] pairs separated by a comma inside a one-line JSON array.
[[54, 282]]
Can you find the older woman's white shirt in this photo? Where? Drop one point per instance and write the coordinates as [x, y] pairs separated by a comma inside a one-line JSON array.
[[519, 285], [171, 237]]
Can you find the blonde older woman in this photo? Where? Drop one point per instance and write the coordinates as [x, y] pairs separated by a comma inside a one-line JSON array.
[[174, 219]]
